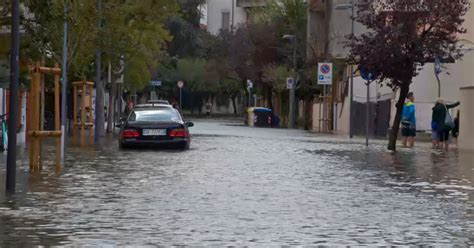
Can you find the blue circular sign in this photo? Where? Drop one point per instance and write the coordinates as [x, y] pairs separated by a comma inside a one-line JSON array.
[[366, 75], [325, 69]]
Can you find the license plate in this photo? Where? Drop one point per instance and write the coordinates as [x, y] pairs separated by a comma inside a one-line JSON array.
[[154, 132]]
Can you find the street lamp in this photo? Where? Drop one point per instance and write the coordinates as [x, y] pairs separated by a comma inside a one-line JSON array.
[[291, 112], [350, 6]]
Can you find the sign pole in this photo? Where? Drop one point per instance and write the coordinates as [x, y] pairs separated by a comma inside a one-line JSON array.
[[180, 98], [14, 81], [325, 71], [367, 112], [437, 70], [180, 86], [249, 89], [64, 87]]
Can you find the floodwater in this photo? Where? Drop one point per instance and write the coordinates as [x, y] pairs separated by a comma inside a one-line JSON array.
[[245, 186]]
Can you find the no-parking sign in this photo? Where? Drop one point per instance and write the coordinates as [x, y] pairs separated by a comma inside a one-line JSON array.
[[325, 73]]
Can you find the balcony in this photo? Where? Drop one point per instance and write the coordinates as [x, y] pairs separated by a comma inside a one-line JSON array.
[[251, 3]]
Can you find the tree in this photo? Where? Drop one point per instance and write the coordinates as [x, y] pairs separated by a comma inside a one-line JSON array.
[[276, 75], [192, 72], [402, 36], [134, 33], [222, 78], [44, 33]]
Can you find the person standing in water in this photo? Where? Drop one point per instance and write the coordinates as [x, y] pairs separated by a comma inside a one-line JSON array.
[[409, 121], [439, 120]]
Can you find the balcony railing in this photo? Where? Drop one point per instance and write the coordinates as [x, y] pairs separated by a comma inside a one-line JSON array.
[[251, 3]]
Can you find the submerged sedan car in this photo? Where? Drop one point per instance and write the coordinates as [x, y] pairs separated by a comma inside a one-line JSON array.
[[163, 127]]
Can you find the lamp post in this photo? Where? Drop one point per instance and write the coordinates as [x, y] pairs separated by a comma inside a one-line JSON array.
[[291, 111], [64, 85], [351, 93], [13, 112]]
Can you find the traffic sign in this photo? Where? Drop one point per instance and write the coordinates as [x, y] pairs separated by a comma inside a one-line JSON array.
[[180, 84], [325, 73], [290, 83], [156, 83], [368, 76]]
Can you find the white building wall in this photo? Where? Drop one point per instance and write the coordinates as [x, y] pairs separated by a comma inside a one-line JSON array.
[[214, 10], [425, 85], [340, 26]]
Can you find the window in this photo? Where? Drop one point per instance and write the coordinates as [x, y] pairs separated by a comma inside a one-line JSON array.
[[155, 116], [225, 21]]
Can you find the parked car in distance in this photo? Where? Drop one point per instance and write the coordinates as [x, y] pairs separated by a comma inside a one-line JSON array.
[[158, 102], [153, 105], [154, 126]]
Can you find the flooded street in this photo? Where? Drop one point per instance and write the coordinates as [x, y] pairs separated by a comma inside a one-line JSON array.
[[245, 186]]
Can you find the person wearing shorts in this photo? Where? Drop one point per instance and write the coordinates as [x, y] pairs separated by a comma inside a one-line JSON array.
[[409, 121]]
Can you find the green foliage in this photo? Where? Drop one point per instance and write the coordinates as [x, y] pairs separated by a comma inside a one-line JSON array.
[[190, 71], [188, 40], [190, 11], [44, 32], [137, 75], [276, 76], [289, 17], [135, 31]]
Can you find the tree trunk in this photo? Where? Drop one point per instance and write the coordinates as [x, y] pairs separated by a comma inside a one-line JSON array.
[[269, 98], [234, 105], [307, 112], [99, 112], [392, 143], [111, 109]]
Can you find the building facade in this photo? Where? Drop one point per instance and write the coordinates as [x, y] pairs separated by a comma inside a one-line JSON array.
[[226, 15], [328, 27]]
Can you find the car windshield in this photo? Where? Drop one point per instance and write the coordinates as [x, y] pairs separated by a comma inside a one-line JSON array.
[[155, 115]]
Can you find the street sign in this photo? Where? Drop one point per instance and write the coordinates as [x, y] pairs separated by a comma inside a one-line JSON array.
[[249, 84], [180, 84], [437, 66], [156, 83], [290, 83], [368, 76], [325, 73]]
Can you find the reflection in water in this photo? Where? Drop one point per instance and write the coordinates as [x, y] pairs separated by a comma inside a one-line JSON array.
[[244, 186]]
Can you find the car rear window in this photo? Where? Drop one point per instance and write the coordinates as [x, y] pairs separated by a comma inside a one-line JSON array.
[[155, 115]]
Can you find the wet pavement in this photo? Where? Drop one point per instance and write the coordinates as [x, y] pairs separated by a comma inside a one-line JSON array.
[[245, 186]]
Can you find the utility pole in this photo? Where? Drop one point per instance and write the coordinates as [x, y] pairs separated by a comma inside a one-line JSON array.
[[351, 6], [14, 81], [367, 114], [351, 104], [64, 87], [291, 112], [99, 88], [292, 89]]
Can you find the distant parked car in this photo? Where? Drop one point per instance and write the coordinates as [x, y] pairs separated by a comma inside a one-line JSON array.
[[153, 105], [155, 126], [159, 102]]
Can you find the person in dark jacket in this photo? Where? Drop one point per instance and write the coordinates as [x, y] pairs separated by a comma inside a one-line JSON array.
[[438, 119]]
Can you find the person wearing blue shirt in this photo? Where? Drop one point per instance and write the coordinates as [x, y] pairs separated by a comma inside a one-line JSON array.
[[409, 121]]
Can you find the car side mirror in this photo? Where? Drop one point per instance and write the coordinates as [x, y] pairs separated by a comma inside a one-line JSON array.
[[189, 124], [121, 122]]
